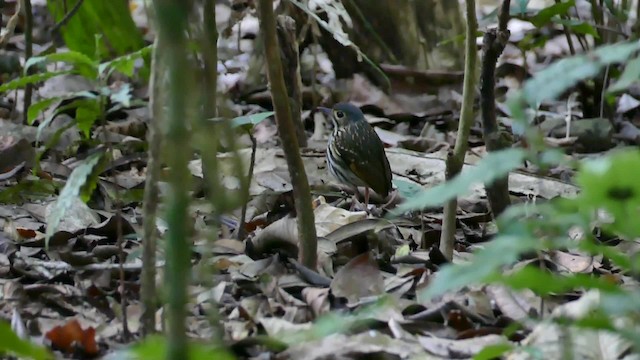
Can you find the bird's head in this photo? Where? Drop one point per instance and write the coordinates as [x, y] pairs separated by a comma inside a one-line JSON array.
[[343, 114]]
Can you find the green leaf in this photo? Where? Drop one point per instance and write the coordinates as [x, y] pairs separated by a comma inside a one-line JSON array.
[[485, 265], [563, 74], [611, 183], [545, 15], [87, 113], [252, 120], [490, 168], [82, 64], [111, 20], [544, 283], [36, 108], [70, 192], [82, 95], [155, 347], [12, 343], [28, 191], [617, 257], [630, 75], [23, 81], [407, 189], [577, 26], [493, 351], [124, 64], [53, 140]]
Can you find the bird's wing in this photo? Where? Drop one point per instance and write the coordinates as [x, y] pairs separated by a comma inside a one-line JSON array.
[[369, 162]]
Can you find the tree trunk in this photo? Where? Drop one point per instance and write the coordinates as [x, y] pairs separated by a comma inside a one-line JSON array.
[[407, 32]]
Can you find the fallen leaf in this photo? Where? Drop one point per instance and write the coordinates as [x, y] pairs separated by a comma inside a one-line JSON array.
[[71, 336]]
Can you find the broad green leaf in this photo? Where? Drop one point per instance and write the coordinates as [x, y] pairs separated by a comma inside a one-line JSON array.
[[616, 53], [52, 141], [251, 120], [82, 64], [155, 347], [493, 351], [611, 183], [12, 343], [577, 26], [124, 64], [543, 282], [620, 303], [563, 74], [630, 75], [407, 189], [558, 77], [110, 19], [29, 191], [100, 52], [614, 255], [82, 95], [70, 192], [545, 15], [492, 167], [36, 108], [23, 81], [87, 113], [484, 266]]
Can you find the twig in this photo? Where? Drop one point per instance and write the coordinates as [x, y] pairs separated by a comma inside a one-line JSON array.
[[172, 18], [567, 34], [569, 117], [456, 159], [286, 128], [243, 216], [122, 257], [67, 16], [28, 53], [209, 39], [494, 42], [605, 79], [150, 203], [11, 25], [286, 32]]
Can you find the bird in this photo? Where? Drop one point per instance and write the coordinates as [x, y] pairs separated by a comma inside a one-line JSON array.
[[355, 154]]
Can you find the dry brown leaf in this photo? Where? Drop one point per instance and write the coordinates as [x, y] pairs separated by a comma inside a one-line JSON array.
[[359, 278], [72, 336]]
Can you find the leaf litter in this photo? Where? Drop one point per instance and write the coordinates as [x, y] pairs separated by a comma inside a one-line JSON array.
[[67, 293]]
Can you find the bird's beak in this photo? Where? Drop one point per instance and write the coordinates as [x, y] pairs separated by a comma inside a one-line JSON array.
[[325, 110]]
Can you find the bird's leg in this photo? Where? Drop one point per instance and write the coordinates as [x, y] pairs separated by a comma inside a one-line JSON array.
[[392, 199], [366, 198], [354, 200]]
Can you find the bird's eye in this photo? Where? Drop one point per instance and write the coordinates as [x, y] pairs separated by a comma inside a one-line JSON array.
[[339, 114]]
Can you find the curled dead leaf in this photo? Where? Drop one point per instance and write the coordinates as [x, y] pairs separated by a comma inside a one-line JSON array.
[[71, 336], [359, 278]]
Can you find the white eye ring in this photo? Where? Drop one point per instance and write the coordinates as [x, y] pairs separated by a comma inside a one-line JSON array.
[[339, 114]]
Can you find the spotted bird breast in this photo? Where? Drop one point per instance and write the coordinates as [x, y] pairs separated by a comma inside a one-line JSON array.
[[359, 155]]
